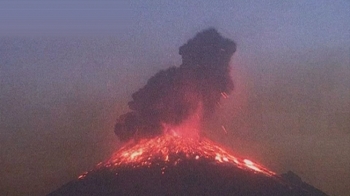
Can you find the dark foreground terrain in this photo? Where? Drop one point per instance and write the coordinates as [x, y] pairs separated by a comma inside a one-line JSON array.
[[188, 177]]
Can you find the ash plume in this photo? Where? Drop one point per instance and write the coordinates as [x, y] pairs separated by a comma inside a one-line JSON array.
[[173, 95]]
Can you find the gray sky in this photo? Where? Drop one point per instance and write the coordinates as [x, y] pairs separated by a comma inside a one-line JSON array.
[[68, 69]]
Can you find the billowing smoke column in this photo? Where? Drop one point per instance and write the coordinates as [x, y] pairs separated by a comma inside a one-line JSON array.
[[173, 95]]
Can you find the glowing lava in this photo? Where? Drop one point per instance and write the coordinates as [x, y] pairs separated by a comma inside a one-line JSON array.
[[170, 164], [171, 149]]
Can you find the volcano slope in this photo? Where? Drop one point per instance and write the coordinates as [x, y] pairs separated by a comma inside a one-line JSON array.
[[171, 165]]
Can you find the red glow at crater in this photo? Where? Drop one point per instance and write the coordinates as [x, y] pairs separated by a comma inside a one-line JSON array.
[[171, 149]]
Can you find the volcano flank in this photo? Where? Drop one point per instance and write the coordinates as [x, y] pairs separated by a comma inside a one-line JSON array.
[[164, 153]]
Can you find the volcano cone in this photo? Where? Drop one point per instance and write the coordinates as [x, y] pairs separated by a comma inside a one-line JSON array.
[[172, 165]]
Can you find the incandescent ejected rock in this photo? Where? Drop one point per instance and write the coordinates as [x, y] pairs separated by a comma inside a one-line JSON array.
[[173, 95]]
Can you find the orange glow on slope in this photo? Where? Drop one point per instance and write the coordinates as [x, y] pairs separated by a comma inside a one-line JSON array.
[[171, 149]]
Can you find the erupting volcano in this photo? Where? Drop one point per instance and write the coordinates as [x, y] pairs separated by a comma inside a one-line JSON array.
[[164, 152]]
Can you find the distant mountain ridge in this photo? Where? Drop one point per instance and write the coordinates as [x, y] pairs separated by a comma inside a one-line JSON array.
[[294, 179]]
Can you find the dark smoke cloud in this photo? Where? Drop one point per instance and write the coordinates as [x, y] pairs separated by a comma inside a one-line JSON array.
[[172, 95]]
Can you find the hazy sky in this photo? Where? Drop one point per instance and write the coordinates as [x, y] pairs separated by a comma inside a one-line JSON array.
[[68, 69]]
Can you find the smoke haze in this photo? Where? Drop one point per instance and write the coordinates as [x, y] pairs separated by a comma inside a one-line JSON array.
[[174, 94]]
